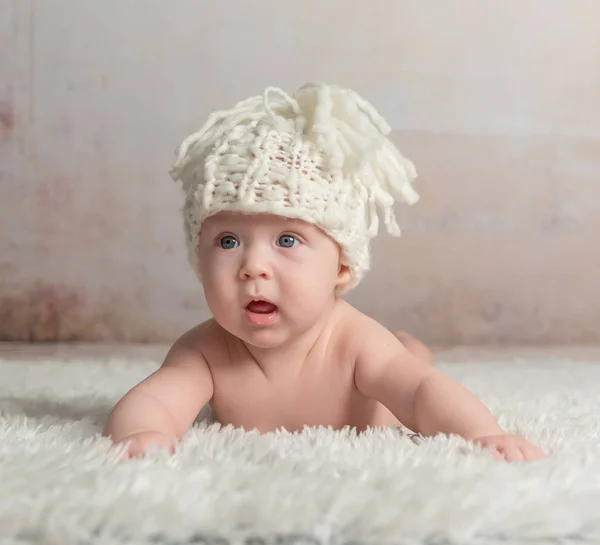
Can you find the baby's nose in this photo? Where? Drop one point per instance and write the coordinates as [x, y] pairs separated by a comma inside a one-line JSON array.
[[255, 265]]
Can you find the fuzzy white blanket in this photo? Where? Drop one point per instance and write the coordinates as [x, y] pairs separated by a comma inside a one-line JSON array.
[[61, 484]]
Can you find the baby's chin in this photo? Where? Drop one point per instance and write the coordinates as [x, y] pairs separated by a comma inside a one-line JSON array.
[[263, 337]]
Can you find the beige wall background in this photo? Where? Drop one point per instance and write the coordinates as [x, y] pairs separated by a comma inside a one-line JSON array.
[[497, 103]]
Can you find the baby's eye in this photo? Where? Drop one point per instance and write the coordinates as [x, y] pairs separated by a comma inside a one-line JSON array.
[[228, 242], [287, 241]]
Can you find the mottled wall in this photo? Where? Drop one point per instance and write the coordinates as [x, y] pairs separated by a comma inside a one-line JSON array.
[[497, 103]]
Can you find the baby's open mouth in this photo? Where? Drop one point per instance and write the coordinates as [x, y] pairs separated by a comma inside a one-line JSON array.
[[261, 307], [261, 313]]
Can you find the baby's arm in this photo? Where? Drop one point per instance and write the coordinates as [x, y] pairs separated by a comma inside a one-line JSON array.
[[423, 398], [161, 408]]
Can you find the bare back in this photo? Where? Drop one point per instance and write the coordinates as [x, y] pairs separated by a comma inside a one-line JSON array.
[[320, 390]]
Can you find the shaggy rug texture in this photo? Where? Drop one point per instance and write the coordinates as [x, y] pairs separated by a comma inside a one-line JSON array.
[[61, 483]]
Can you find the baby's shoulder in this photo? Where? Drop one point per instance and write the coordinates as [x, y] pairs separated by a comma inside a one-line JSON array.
[[204, 339], [361, 333]]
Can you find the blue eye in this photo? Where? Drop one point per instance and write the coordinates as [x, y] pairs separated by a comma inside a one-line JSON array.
[[287, 241], [228, 242]]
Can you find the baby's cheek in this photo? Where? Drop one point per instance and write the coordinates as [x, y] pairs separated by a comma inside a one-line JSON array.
[[310, 286], [216, 289]]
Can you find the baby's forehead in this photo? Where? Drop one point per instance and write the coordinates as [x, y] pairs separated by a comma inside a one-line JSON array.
[[245, 221]]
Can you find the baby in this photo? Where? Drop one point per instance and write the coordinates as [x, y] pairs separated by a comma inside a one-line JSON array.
[[282, 197]]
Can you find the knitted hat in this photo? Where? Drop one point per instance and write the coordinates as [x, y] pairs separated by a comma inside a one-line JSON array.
[[320, 156]]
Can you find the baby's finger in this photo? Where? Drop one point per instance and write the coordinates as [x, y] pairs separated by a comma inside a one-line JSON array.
[[134, 449], [531, 452], [512, 453], [495, 452]]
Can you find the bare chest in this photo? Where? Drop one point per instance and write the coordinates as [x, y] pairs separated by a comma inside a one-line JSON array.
[[317, 396]]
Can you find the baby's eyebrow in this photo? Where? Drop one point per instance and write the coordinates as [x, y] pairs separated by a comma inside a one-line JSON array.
[[221, 225], [212, 230], [292, 222], [301, 227]]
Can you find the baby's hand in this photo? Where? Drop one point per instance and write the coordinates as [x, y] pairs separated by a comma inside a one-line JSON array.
[[139, 443], [512, 448]]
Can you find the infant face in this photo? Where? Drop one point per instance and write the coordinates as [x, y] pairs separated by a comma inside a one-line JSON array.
[[266, 278]]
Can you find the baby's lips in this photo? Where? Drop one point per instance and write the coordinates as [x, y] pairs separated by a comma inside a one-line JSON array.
[[261, 307]]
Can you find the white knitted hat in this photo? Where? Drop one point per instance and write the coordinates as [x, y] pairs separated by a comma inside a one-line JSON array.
[[320, 156]]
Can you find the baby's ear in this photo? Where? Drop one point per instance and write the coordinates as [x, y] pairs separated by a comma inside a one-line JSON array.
[[343, 277]]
